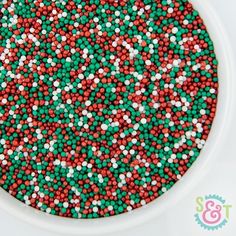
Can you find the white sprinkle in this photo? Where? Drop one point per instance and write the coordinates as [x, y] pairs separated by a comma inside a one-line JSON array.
[[2, 157], [129, 208], [95, 209], [174, 30], [143, 121], [148, 62], [21, 87], [9, 152], [143, 202], [212, 90], [122, 176], [56, 83], [87, 103], [104, 127], [4, 100]]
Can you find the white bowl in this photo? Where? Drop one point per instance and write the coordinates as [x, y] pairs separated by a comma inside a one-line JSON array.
[[183, 186]]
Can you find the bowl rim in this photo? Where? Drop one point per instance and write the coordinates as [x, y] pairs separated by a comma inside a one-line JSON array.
[[182, 187]]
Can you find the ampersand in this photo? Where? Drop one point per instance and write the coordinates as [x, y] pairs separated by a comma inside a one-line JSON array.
[[212, 213]]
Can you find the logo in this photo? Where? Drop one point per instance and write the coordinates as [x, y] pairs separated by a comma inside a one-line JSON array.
[[212, 212]]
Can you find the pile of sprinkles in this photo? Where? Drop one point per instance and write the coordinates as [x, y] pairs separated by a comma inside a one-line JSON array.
[[104, 104]]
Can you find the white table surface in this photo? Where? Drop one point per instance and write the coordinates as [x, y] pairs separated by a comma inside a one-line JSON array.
[[178, 220]]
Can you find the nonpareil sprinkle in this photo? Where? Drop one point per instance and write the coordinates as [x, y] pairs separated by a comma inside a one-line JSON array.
[[104, 105]]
